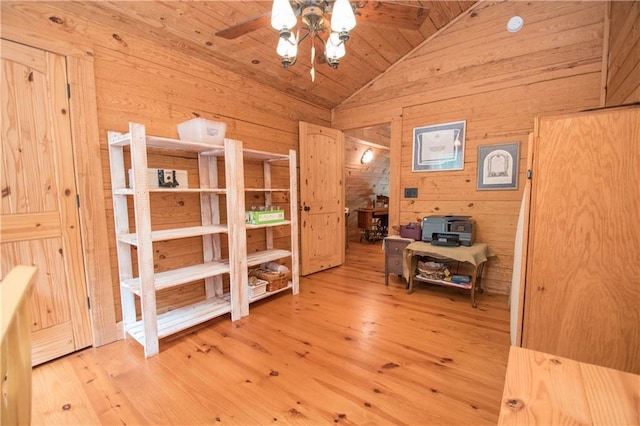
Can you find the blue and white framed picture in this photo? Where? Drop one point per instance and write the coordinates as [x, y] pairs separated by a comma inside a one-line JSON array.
[[439, 147], [498, 166]]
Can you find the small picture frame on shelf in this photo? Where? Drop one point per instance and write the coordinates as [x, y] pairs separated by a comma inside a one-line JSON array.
[[498, 166]]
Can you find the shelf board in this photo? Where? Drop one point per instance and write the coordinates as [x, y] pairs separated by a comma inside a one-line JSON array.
[[271, 293], [442, 282], [268, 225], [266, 189], [182, 318], [253, 154], [175, 233], [131, 191], [259, 257], [170, 143], [123, 139], [175, 277]]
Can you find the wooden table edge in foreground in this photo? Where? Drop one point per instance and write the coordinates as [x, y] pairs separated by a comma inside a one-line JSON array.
[[543, 389]]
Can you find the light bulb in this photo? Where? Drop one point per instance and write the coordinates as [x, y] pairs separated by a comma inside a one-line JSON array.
[[342, 17], [287, 47], [335, 48], [282, 16]]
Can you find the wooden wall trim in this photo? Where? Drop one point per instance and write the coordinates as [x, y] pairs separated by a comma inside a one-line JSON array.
[[86, 145], [623, 80], [394, 175], [605, 55]]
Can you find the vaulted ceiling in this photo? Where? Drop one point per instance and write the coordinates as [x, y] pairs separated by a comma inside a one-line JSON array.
[[375, 44]]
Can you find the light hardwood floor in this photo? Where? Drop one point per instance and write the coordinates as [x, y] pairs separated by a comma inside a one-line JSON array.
[[346, 350]]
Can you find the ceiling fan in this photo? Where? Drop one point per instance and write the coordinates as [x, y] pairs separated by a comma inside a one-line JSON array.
[[399, 15], [315, 16]]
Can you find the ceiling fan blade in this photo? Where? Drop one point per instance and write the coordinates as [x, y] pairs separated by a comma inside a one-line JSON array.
[[246, 27], [392, 14]]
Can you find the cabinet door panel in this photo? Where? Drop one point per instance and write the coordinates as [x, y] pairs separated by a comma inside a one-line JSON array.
[[582, 293], [39, 223]]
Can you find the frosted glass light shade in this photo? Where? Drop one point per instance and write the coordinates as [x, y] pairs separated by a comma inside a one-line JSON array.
[[335, 48], [282, 15], [342, 18], [287, 47], [367, 156]]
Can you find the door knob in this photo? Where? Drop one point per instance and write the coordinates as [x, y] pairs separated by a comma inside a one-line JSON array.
[[307, 208]]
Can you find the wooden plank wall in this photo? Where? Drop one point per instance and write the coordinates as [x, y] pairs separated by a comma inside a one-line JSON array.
[[497, 81], [143, 81], [623, 83]]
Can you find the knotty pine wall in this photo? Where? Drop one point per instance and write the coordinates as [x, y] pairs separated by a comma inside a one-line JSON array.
[[156, 85], [623, 83], [475, 70]]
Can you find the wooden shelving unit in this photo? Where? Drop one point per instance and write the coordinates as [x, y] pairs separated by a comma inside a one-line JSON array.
[[271, 253], [147, 326]]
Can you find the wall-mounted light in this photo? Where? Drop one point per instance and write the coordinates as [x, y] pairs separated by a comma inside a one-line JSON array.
[[367, 156]]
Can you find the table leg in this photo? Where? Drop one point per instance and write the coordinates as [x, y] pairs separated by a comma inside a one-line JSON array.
[[480, 268], [476, 284], [474, 304]]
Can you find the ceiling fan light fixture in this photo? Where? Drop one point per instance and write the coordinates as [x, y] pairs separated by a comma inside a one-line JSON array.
[[343, 19], [315, 26], [287, 49], [282, 16], [334, 50]]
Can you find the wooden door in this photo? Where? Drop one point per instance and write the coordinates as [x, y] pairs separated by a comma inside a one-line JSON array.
[[39, 222], [322, 227], [582, 296]]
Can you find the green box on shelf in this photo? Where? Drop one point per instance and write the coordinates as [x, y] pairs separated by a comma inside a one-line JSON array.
[[264, 217]]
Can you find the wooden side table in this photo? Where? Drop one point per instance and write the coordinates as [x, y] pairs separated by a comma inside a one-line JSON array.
[[393, 250], [476, 255]]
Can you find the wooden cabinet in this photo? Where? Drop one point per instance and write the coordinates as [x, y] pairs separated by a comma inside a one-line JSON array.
[[582, 297], [143, 282]]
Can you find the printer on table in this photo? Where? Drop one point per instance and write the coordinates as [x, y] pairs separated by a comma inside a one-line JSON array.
[[448, 230]]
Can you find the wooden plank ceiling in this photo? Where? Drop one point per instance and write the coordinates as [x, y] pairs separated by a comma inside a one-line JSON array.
[[192, 26]]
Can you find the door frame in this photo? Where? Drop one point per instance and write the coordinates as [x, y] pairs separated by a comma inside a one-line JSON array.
[[88, 175], [395, 157]]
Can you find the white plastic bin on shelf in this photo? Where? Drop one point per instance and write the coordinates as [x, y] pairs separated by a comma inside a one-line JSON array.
[[201, 130], [257, 288]]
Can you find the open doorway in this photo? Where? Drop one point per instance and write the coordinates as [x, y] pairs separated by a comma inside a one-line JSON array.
[[366, 183]]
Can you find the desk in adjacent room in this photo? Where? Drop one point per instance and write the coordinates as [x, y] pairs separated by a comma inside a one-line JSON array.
[[372, 229], [543, 389], [476, 255]]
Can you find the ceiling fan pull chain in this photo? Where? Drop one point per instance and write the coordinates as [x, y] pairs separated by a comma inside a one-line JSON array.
[[313, 63]]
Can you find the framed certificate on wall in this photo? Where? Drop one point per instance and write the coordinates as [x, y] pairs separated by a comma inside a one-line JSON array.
[[439, 147]]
